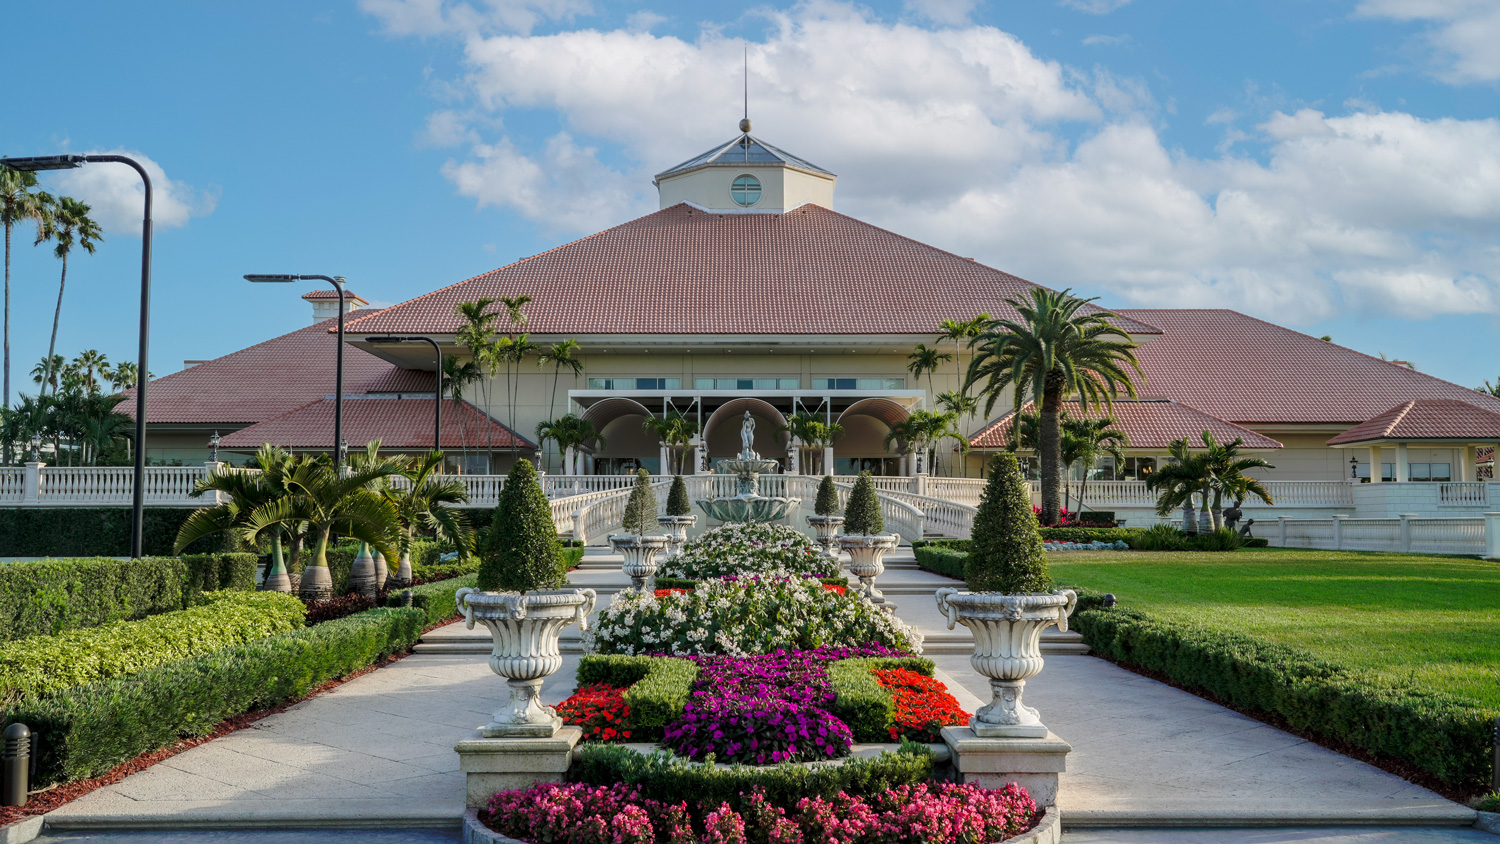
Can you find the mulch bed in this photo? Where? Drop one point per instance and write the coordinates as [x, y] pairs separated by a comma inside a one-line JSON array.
[[52, 797]]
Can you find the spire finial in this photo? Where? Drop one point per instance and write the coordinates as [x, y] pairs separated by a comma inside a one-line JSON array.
[[745, 122]]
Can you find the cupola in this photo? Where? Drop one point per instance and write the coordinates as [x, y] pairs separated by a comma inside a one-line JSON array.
[[746, 175]]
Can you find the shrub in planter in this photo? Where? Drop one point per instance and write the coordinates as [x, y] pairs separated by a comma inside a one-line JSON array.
[[747, 548], [827, 503], [520, 551], [640, 510], [677, 499], [1005, 550], [638, 549], [862, 513]]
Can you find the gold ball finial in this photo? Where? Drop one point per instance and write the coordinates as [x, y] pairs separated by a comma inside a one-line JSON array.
[[745, 125]]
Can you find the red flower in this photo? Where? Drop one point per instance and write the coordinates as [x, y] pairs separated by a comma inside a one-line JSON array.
[[662, 593], [834, 587], [923, 705], [597, 708]]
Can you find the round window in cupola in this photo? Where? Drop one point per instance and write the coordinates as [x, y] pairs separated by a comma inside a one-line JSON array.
[[745, 191]]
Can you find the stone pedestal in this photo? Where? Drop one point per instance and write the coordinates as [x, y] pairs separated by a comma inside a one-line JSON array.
[[498, 764], [1033, 763], [1492, 532]]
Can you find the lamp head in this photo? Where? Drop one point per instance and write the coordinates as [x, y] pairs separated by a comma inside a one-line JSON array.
[[263, 278], [36, 163], [382, 341]]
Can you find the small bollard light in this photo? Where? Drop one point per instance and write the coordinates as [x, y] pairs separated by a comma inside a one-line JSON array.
[[1495, 763], [405, 597], [15, 766], [1109, 600]]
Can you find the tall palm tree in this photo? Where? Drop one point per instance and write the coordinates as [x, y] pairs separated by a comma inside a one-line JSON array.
[[18, 204], [478, 335], [802, 427], [569, 431], [1088, 440], [520, 348], [69, 225], [458, 374], [1228, 469], [564, 355], [1054, 350], [925, 360], [676, 430], [47, 372], [962, 406], [428, 503], [511, 353], [125, 375], [88, 362], [923, 430]]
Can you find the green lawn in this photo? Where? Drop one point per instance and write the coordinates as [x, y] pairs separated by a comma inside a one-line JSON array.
[[1434, 619]]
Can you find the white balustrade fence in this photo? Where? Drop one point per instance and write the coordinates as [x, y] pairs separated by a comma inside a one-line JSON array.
[[12, 485], [96, 485], [1461, 535], [1463, 495]]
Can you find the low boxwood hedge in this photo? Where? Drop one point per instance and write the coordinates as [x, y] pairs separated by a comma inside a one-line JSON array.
[[435, 600], [656, 687], [1442, 735], [87, 730], [941, 560], [859, 699], [41, 665], [662, 776]]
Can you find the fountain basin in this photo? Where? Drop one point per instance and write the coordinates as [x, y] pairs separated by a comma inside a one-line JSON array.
[[747, 508], [746, 466]]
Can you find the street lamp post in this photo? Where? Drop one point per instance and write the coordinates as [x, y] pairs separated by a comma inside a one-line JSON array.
[[68, 162], [338, 374], [437, 405]]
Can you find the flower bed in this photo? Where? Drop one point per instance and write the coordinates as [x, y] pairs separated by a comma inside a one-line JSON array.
[[1117, 545], [600, 710], [748, 549], [923, 705], [932, 813], [739, 617]]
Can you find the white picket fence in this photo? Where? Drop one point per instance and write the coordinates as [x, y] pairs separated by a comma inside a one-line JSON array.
[[1455, 535]]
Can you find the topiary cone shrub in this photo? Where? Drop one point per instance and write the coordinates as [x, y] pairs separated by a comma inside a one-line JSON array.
[[677, 499], [520, 552], [828, 498], [1005, 548], [862, 515], [640, 510]]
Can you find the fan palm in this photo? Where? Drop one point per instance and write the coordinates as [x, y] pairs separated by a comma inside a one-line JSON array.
[[1086, 440], [1228, 468], [1186, 474], [125, 376], [1054, 350], [428, 503], [47, 372], [89, 362], [69, 225], [18, 204]]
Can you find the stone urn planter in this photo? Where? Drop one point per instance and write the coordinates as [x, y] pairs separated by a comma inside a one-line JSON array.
[[1007, 649], [827, 530], [676, 528], [865, 561], [640, 557], [524, 629]]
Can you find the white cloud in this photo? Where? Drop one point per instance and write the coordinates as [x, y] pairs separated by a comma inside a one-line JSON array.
[[1462, 34], [1093, 7], [441, 17], [944, 12], [644, 20], [115, 194], [960, 137]]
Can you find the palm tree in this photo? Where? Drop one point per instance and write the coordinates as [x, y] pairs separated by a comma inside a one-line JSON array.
[[802, 427], [428, 503], [87, 363], [569, 431], [520, 348], [922, 430], [676, 430], [511, 352], [456, 375], [125, 375], [478, 336], [69, 224], [47, 372], [925, 360], [18, 203], [1055, 350], [1228, 469], [962, 406], [247, 491], [1186, 474], [564, 355], [1088, 440]]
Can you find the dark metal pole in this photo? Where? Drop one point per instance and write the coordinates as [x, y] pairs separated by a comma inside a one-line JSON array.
[[437, 405], [338, 380]]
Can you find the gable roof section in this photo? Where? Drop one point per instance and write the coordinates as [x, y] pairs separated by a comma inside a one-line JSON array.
[[397, 423], [1246, 370], [684, 271], [1426, 419], [261, 381], [745, 150], [1150, 423]]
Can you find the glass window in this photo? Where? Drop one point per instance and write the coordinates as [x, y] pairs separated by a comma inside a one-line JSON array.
[[1138, 468], [745, 191], [1430, 471], [746, 383], [859, 383], [1387, 472], [635, 383]]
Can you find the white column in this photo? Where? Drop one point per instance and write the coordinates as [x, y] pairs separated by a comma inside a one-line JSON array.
[[209, 467], [1463, 474], [31, 483], [828, 460], [1402, 474], [666, 460], [1338, 532], [1492, 536], [1405, 530], [567, 461], [700, 458], [1375, 472]]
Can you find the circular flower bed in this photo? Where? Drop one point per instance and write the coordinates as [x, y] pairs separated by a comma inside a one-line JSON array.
[[745, 549], [744, 616]]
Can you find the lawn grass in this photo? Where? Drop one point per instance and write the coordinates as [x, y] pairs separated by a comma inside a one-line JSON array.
[[1432, 619]]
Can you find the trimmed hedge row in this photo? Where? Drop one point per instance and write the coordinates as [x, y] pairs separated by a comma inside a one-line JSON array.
[[87, 730], [49, 597], [859, 699], [656, 687], [662, 776], [1445, 736], [435, 600], [940, 560], [97, 532]]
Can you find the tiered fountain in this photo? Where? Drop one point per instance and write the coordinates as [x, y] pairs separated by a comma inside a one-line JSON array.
[[747, 504]]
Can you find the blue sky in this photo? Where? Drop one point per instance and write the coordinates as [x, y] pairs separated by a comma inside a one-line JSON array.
[[1332, 166]]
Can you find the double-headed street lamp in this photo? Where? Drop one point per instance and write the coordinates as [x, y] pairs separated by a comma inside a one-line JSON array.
[[437, 405], [68, 162], [338, 375]]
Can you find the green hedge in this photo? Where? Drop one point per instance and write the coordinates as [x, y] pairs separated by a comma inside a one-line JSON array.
[[941, 560], [859, 699], [87, 730], [662, 776], [1445, 736], [656, 687], [43, 665], [572, 555], [48, 597], [1076, 534], [96, 532], [435, 600]]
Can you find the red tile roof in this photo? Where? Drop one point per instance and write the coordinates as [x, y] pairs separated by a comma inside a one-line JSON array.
[[1249, 371], [397, 423], [1426, 419], [398, 380], [264, 380], [349, 295], [1150, 423], [687, 271]]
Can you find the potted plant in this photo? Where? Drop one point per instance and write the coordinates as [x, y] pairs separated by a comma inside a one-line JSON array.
[[827, 518], [521, 602], [639, 551], [1009, 603], [862, 538], [679, 516]]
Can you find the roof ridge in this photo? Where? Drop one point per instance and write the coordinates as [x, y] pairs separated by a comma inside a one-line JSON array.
[[1401, 411], [266, 342]]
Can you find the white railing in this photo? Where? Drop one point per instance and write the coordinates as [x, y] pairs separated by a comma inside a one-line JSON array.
[[1104, 495], [1446, 536], [1463, 535], [884, 483], [1370, 534], [12, 485], [1463, 494], [900, 516], [1305, 533], [604, 512], [92, 485], [1307, 494], [939, 516], [958, 490]]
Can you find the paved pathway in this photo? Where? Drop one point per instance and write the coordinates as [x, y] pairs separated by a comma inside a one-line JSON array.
[[378, 752]]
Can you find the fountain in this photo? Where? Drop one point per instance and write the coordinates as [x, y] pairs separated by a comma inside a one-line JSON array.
[[747, 504]]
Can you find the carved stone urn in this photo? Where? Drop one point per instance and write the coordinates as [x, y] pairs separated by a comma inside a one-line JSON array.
[[866, 554], [640, 557], [524, 629], [827, 530], [676, 528], [1008, 650]]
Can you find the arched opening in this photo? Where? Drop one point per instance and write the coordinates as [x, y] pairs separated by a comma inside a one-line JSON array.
[[721, 432], [626, 444], [862, 447]]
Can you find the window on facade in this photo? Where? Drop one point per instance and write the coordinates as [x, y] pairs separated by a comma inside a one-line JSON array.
[[1137, 468], [635, 383], [737, 383], [859, 383], [626, 465], [1387, 472], [745, 191], [1430, 471]]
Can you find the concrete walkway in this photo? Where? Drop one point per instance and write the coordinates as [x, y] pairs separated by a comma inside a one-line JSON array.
[[378, 752]]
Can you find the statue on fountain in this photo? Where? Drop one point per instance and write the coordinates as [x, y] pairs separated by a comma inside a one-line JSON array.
[[747, 438], [748, 505]]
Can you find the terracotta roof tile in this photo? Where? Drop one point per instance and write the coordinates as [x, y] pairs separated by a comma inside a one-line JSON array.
[[1248, 371], [1426, 419], [349, 295], [688, 271], [398, 423], [1150, 423]]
